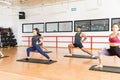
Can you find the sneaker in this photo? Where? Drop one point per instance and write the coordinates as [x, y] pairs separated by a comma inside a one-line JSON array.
[[69, 54], [27, 58], [93, 56], [49, 60], [99, 66], [2, 56]]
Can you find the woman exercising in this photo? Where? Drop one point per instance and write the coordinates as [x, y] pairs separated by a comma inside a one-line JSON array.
[[78, 42], [114, 42], [36, 45]]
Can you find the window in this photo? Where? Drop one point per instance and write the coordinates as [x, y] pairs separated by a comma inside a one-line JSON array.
[[27, 28], [52, 27], [40, 26], [65, 26], [100, 25], [115, 20], [85, 25], [92, 25]]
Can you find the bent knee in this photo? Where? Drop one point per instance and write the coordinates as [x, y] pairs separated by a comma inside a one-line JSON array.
[[70, 45], [28, 49]]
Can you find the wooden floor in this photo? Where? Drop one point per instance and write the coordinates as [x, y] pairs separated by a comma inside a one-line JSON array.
[[64, 69]]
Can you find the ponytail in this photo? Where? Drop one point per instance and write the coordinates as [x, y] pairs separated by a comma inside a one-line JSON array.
[[39, 35]]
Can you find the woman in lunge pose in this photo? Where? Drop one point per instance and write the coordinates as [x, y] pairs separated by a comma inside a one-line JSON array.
[[36, 45], [114, 42]]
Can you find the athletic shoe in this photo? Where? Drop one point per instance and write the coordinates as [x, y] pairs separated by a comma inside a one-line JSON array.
[[27, 58], [69, 54], [99, 66], [49, 60], [93, 56], [2, 56]]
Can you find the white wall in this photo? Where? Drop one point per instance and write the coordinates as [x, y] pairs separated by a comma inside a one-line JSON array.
[[9, 18], [17, 24], [5, 16], [62, 12], [86, 9]]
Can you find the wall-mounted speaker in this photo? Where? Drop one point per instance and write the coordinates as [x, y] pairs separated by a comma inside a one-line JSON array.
[[21, 15]]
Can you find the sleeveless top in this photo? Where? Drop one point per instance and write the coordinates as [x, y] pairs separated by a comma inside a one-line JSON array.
[[114, 40], [35, 39], [78, 38]]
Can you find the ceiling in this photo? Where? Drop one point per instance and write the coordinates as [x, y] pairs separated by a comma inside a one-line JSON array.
[[36, 2]]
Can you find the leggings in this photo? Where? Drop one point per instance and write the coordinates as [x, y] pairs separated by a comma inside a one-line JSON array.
[[37, 47], [113, 50]]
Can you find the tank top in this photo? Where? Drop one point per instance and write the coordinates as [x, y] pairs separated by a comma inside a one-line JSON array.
[[114, 39], [78, 38], [35, 39]]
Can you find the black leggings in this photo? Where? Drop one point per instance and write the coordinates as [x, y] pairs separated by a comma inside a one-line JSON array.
[[114, 50]]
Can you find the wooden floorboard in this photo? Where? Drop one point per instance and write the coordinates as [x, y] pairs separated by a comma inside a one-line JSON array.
[[63, 69]]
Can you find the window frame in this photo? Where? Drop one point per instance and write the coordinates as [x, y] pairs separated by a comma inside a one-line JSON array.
[[75, 27], [114, 23], [98, 20], [32, 27], [27, 31], [58, 26], [90, 20], [66, 22], [38, 28], [47, 26]]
